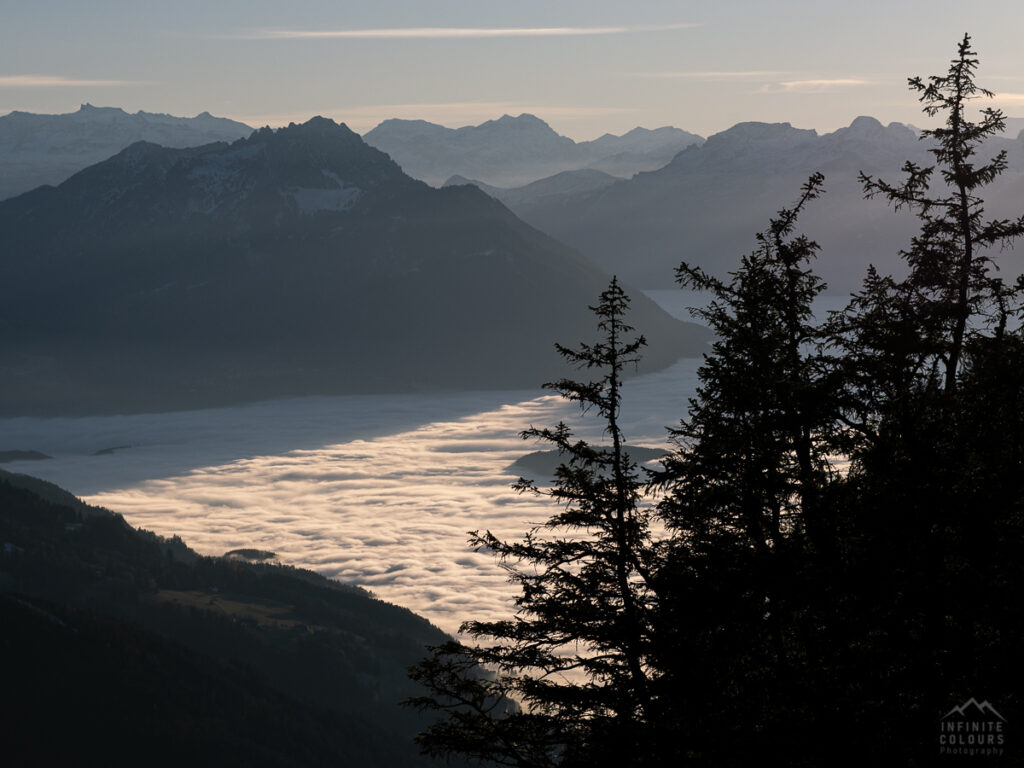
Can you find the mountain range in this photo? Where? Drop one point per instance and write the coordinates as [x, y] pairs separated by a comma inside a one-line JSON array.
[[707, 204], [511, 151], [305, 261], [296, 261], [37, 149], [46, 149]]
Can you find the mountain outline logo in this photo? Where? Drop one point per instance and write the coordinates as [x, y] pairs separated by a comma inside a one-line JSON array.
[[972, 705], [975, 728]]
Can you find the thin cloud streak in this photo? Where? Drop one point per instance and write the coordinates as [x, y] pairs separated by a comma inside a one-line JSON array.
[[712, 76], [448, 33], [58, 81], [813, 86]]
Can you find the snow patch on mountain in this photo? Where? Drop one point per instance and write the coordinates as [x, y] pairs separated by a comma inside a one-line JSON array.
[[310, 201], [337, 198]]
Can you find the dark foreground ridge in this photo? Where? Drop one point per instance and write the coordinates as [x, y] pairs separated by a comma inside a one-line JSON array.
[[121, 647]]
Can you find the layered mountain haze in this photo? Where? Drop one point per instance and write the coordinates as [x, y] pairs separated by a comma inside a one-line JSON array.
[[708, 203], [46, 149], [1014, 126], [512, 151], [297, 261], [550, 191]]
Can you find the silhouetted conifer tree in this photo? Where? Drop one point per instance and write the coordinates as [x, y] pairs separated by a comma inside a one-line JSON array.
[[747, 495], [931, 524], [844, 509], [753, 449], [951, 276], [575, 658]]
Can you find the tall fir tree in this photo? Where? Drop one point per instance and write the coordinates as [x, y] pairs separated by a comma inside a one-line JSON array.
[[747, 498], [931, 505], [951, 277], [575, 658]]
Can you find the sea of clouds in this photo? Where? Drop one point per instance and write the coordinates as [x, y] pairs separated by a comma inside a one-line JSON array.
[[376, 490], [379, 491]]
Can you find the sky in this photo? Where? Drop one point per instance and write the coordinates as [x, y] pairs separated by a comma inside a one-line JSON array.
[[587, 67]]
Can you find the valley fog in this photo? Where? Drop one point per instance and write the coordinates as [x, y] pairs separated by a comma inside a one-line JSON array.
[[374, 499], [378, 491]]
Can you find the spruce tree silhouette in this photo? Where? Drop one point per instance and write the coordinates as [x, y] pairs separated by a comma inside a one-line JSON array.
[[931, 505], [836, 556], [951, 272], [574, 659], [747, 497]]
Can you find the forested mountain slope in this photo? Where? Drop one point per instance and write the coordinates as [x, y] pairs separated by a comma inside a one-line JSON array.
[[120, 647]]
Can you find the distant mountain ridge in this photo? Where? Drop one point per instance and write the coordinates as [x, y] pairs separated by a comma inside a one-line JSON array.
[[296, 261], [708, 203], [512, 151], [38, 149], [567, 184]]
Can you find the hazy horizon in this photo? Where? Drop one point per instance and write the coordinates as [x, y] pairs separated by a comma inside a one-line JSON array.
[[587, 68], [361, 128]]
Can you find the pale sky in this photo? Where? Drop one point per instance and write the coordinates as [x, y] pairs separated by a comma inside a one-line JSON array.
[[585, 66]]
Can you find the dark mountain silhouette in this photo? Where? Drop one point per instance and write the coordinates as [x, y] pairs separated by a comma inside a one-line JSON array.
[[121, 647], [511, 151], [47, 149], [707, 204], [297, 261]]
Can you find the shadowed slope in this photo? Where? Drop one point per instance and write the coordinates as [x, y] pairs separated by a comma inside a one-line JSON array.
[[298, 261]]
